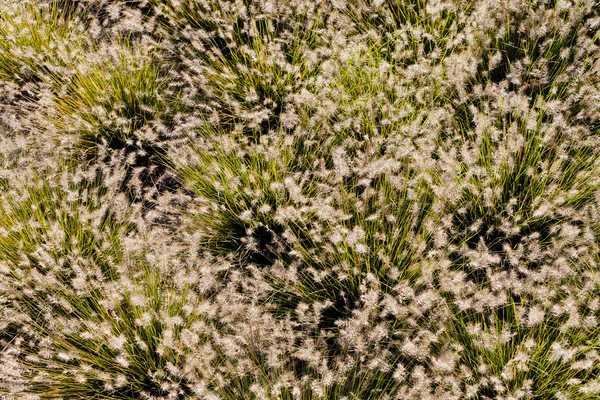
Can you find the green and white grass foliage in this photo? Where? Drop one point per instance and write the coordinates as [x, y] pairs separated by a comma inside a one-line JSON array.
[[85, 314], [113, 100], [242, 63], [118, 111], [340, 200], [39, 42]]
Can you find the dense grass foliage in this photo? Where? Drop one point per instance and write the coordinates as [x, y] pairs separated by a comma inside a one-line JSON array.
[[299, 200]]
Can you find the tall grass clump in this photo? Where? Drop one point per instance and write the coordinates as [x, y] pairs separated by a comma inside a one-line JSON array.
[[39, 43], [112, 101], [242, 63], [119, 113], [88, 90], [85, 313], [40, 49]]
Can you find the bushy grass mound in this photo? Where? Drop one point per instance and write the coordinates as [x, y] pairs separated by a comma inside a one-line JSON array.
[[83, 317], [299, 200], [39, 42]]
